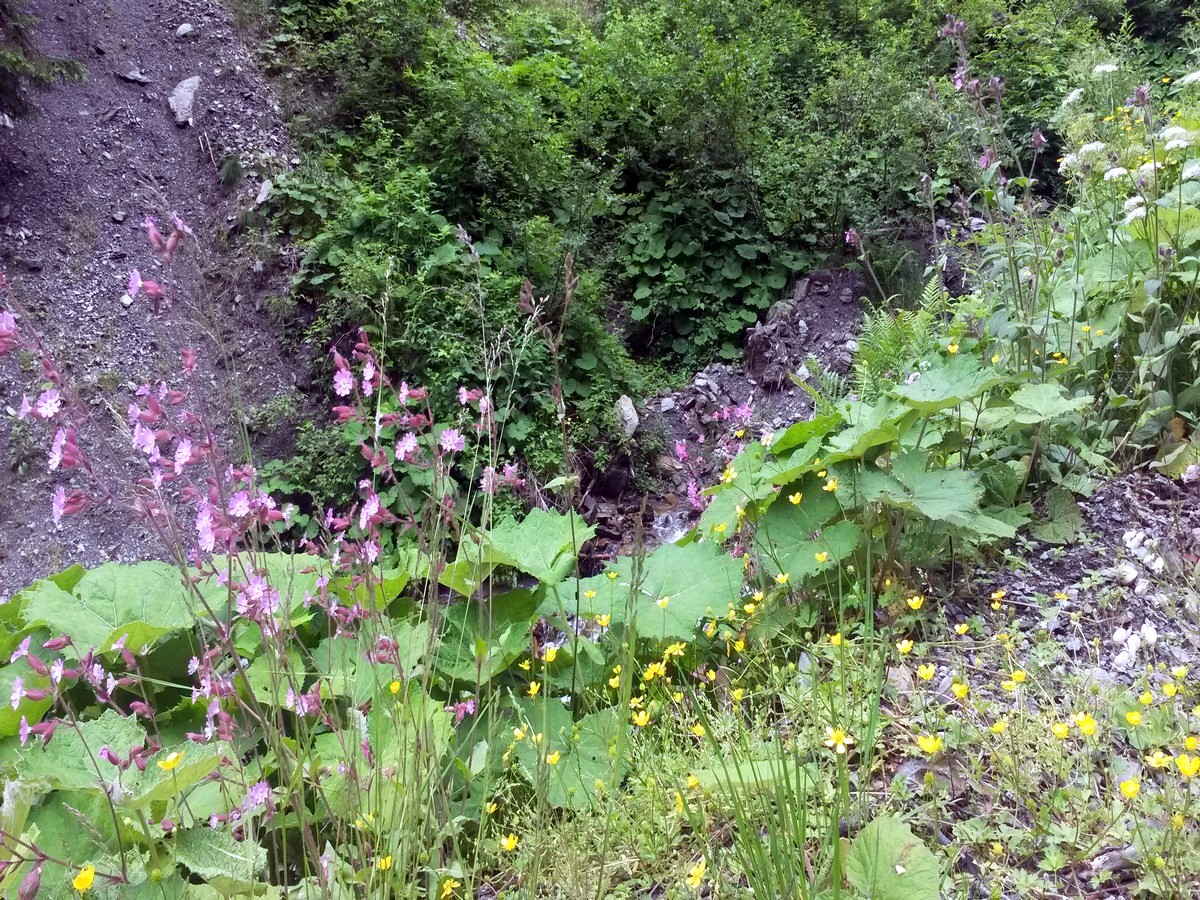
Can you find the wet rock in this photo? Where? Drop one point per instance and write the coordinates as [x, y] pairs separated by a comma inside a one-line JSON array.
[[134, 76]]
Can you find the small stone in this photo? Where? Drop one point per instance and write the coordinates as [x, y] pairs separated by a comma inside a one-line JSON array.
[[1149, 634], [119, 216], [666, 404], [1120, 636], [134, 76], [183, 98], [126, 301], [185, 30], [1125, 574], [1141, 587], [263, 193]]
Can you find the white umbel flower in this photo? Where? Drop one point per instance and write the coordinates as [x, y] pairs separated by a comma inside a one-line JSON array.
[[1104, 69], [1115, 172]]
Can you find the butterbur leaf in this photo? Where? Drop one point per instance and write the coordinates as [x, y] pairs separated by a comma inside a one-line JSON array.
[[543, 545], [888, 862], [1041, 402], [69, 762], [948, 386], [1062, 519], [212, 854], [195, 763], [583, 749], [696, 579], [139, 603]]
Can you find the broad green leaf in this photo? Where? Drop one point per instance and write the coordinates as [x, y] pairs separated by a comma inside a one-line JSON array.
[[140, 603], [888, 862], [231, 866], [696, 580], [947, 495], [1041, 402], [948, 386], [474, 562], [803, 432], [69, 762], [499, 628], [1062, 519], [544, 544], [869, 426], [1174, 458], [809, 555], [347, 672], [267, 677], [583, 750], [154, 785]]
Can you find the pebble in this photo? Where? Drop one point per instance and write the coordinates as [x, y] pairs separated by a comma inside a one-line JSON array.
[[185, 30], [1125, 574]]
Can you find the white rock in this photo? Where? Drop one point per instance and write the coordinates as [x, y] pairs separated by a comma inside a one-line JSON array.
[[1142, 587], [1149, 634], [263, 193], [1126, 574], [1157, 564], [183, 98], [627, 415], [1123, 660], [185, 30], [1133, 538], [1120, 636]]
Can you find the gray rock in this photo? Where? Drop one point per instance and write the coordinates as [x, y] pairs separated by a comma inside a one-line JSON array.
[[134, 76], [183, 98], [185, 30], [626, 415], [666, 404], [118, 216]]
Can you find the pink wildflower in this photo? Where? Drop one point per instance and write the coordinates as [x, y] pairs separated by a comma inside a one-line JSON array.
[[49, 403], [135, 283], [406, 449], [10, 338], [25, 409], [452, 441], [343, 382]]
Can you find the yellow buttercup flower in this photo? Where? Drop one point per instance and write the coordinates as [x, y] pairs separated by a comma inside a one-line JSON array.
[[1145, 698], [693, 782], [796, 498], [1130, 787], [491, 808], [1191, 742], [830, 485], [549, 654], [962, 627], [749, 609], [394, 687], [449, 886], [662, 602], [916, 602], [822, 473], [995, 358], [1170, 689], [1188, 765], [838, 740], [836, 639], [384, 863], [821, 556], [737, 694], [696, 874], [1158, 760], [998, 726], [1180, 671], [1133, 717], [782, 578], [509, 842], [171, 761], [1086, 723], [534, 687], [553, 758], [905, 646], [84, 880], [728, 475], [612, 576], [953, 348], [699, 730], [926, 671], [720, 529], [604, 620], [1019, 676], [959, 689], [589, 595], [676, 649], [1061, 730], [641, 718], [1008, 684], [929, 743]]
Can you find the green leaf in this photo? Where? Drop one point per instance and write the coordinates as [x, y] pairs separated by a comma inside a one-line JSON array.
[[499, 627], [948, 386], [803, 432], [544, 544], [347, 671], [869, 425], [697, 580], [232, 867], [69, 762], [141, 603], [155, 784], [1062, 519], [1041, 402], [888, 862], [583, 749], [474, 562], [32, 710]]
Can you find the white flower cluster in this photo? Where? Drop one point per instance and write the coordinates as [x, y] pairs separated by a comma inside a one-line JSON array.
[[1104, 69]]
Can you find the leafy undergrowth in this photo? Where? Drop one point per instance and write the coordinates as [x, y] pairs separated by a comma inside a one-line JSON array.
[[808, 695]]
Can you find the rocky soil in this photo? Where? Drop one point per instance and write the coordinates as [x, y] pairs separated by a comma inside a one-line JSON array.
[[692, 430], [173, 117]]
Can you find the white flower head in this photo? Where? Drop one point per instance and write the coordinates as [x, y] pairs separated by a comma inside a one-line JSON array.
[[1092, 147], [1172, 131], [1190, 78], [1067, 162], [1179, 143], [1146, 170], [1104, 69], [1072, 97], [1135, 214], [1191, 172], [1134, 201], [1115, 172]]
